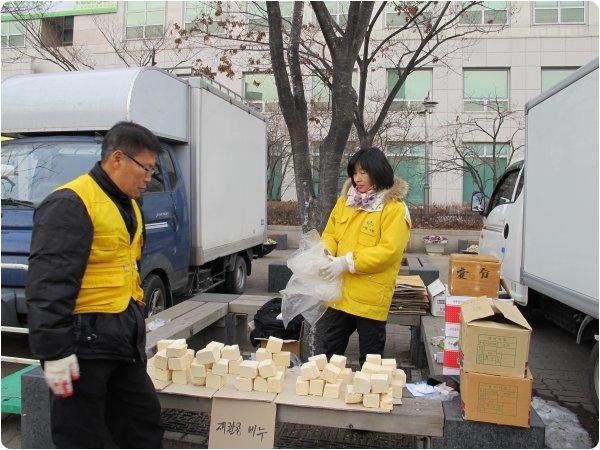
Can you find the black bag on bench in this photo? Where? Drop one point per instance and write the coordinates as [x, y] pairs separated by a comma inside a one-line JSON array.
[[266, 323]]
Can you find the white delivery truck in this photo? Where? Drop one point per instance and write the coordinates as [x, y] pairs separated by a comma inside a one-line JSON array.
[[542, 218], [205, 211]]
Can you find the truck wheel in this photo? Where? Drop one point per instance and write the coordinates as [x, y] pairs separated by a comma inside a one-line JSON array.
[[155, 296], [235, 280], [593, 374]]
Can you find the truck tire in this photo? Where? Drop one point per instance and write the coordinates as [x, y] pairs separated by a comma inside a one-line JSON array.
[[155, 295], [235, 280], [593, 374]]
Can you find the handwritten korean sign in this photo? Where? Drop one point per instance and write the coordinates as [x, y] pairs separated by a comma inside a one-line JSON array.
[[242, 424]]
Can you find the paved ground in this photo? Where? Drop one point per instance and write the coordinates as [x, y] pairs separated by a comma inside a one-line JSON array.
[[559, 365]]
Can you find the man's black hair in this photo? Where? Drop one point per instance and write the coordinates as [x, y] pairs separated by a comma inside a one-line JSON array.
[[131, 138], [373, 161]]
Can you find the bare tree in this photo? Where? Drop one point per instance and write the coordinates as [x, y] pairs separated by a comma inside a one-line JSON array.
[[279, 155], [500, 128], [42, 37]]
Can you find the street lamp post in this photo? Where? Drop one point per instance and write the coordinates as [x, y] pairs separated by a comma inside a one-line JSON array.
[[429, 105]]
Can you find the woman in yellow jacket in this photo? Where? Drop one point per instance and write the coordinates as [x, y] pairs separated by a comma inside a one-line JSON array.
[[366, 235]]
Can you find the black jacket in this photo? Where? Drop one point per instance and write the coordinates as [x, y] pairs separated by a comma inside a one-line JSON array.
[[60, 248]]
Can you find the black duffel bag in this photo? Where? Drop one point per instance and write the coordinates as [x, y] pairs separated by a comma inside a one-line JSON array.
[[266, 323]]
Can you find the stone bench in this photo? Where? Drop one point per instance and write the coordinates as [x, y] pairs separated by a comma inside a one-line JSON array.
[[420, 265], [281, 239]]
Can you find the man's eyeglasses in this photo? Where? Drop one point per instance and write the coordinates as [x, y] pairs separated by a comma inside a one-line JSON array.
[[151, 171]]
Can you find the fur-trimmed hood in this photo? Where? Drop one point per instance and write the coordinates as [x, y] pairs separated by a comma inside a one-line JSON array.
[[397, 192]]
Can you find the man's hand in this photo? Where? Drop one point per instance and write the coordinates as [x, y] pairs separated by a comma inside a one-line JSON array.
[[59, 374], [336, 267]]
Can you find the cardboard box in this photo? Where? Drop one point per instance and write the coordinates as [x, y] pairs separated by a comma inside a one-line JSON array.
[[494, 338], [474, 275], [437, 298], [496, 399]]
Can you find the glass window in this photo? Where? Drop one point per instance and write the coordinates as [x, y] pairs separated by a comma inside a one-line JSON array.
[[275, 175], [485, 13], [144, 20], [558, 12], [339, 12], [67, 32], [257, 16], [260, 90], [485, 89], [398, 14], [554, 75], [480, 158], [170, 169], [210, 12], [505, 189], [12, 34], [408, 162], [321, 94], [414, 90]]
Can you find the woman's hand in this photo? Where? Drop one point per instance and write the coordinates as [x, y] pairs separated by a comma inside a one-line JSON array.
[[336, 267]]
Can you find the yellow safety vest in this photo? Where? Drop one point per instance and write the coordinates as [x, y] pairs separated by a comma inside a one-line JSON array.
[[111, 277]]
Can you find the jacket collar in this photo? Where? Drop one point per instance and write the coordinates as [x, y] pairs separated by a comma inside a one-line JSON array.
[[397, 192]]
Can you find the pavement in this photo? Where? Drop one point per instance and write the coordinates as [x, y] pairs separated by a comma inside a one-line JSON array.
[[558, 364]]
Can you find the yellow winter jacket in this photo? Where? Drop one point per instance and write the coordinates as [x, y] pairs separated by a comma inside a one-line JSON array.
[[111, 277], [377, 241]]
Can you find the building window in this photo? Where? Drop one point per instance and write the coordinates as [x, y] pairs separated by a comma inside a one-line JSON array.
[[398, 14], [485, 89], [211, 12], [321, 93], [414, 90], [260, 91], [485, 13], [275, 175], [12, 34], [339, 12], [554, 75], [144, 20], [257, 16], [481, 159], [57, 31], [558, 12], [408, 162]]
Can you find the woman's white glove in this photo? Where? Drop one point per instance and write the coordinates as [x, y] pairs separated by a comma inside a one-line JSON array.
[[60, 373], [337, 266]]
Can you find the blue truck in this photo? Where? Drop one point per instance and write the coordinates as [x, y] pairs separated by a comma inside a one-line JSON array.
[[204, 212]]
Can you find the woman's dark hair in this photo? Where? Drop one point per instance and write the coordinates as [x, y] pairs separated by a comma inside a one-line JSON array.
[[373, 161], [130, 137]]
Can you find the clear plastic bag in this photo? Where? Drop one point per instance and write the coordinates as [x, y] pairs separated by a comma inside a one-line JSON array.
[[306, 292]]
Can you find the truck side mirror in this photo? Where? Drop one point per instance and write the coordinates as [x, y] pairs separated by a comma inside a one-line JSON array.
[[478, 202]]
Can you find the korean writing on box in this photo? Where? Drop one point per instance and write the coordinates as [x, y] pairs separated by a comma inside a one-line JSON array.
[[236, 428]]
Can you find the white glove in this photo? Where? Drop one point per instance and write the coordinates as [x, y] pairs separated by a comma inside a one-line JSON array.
[[59, 374], [337, 266]]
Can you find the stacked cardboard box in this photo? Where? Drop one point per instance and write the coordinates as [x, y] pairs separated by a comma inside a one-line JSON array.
[[494, 349]]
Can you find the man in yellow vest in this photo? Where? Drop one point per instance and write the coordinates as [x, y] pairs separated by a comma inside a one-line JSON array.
[[85, 303]]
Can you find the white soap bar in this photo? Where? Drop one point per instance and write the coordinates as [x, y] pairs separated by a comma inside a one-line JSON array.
[[176, 349], [181, 363], [163, 343], [397, 386], [309, 370], [260, 384], [379, 383], [234, 366], [160, 360], [338, 360], [190, 354], [205, 356], [346, 375], [371, 400], [162, 374], [316, 387], [362, 383], [302, 386], [267, 369], [198, 370], [275, 383], [230, 352], [243, 384], [389, 362], [330, 373], [221, 367], [319, 360], [248, 369], [274, 344], [332, 390], [282, 359], [214, 381], [215, 347], [386, 402], [350, 396], [399, 375], [386, 370], [370, 368], [262, 354], [181, 376], [374, 358], [198, 381]]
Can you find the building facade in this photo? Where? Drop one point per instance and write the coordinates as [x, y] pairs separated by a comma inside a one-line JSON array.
[[534, 45]]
